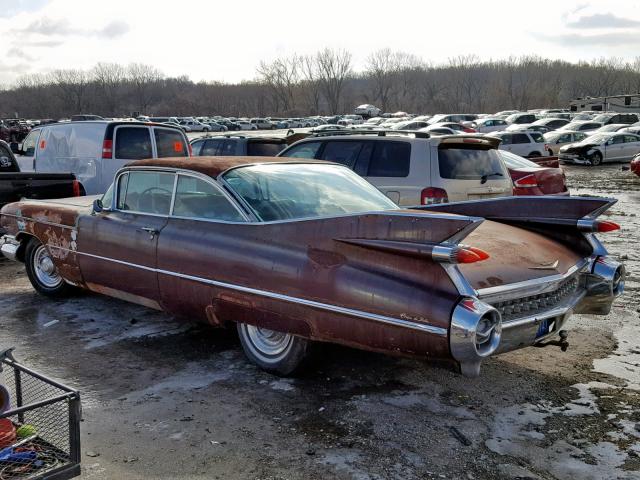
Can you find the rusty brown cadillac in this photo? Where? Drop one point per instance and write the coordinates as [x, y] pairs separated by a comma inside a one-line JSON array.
[[295, 251]]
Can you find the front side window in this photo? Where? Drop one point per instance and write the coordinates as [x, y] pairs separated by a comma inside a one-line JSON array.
[[211, 148], [29, 144], [196, 198], [146, 192], [133, 143], [170, 143], [305, 150], [285, 191]]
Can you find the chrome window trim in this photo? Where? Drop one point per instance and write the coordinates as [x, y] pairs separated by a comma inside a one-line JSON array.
[[533, 286], [123, 172], [398, 322], [214, 184]]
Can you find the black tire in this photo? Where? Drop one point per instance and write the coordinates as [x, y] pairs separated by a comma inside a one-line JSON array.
[[596, 159], [534, 154], [42, 273], [289, 353]]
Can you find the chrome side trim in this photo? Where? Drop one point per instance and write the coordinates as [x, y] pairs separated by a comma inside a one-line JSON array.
[[397, 322], [45, 222]]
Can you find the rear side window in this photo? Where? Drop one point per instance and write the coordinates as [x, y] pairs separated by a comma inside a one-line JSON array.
[[343, 152], [537, 137], [264, 149], [196, 198], [520, 138], [170, 143], [133, 143], [390, 159], [469, 164]]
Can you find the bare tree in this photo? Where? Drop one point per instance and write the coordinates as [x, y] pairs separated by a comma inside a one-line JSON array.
[[109, 78], [281, 76], [145, 81], [334, 66], [310, 84], [72, 86]]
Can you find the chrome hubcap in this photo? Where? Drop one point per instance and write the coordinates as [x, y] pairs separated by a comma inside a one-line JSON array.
[[44, 268], [267, 342]]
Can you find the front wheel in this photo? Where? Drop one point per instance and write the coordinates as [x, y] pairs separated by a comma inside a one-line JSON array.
[[534, 155], [276, 352], [596, 159], [42, 272]]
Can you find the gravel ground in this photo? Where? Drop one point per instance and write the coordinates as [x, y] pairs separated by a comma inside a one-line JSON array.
[[163, 399]]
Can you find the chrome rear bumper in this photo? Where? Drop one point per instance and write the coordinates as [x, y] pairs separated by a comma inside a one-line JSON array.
[[545, 306], [9, 246]]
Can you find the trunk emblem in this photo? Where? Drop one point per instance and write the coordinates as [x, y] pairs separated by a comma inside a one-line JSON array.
[[546, 266]]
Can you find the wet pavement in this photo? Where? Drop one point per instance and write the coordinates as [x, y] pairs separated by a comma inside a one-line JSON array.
[[164, 399]]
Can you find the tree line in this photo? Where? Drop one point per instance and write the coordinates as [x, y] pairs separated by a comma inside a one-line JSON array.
[[324, 83]]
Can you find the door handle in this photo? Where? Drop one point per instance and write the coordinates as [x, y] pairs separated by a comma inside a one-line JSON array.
[[150, 230]]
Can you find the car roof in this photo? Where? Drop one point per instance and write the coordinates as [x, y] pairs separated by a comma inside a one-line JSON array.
[[214, 166]]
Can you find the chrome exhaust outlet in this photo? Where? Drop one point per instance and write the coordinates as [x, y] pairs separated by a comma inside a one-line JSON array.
[[476, 328], [603, 285]]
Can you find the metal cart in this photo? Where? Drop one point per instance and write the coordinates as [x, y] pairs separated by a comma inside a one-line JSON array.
[[46, 417]]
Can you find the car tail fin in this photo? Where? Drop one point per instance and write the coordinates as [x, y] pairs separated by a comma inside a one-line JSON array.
[[434, 236]]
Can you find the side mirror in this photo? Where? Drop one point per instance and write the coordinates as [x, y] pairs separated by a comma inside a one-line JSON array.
[[97, 206], [15, 148]]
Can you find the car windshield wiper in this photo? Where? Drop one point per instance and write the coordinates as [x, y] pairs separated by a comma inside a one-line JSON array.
[[484, 178]]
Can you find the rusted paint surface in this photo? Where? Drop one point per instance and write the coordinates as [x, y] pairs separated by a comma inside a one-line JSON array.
[[378, 263]]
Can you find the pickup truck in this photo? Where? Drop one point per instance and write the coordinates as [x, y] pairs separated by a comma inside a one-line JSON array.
[[15, 185]]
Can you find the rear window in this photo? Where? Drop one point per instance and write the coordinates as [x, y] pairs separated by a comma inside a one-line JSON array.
[[133, 143], [170, 143], [537, 137], [264, 149], [468, 164]]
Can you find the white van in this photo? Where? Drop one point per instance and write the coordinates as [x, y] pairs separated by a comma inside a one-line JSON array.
[[95, 150]]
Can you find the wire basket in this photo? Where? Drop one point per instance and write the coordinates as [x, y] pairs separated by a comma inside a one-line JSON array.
[[40, 433]]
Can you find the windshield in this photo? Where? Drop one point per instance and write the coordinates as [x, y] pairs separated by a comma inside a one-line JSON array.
[[290, 191]]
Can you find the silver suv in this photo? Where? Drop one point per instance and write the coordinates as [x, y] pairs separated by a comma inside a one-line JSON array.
[[413, 168]]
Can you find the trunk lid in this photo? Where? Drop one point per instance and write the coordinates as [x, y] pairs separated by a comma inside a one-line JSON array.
[[516, 255]]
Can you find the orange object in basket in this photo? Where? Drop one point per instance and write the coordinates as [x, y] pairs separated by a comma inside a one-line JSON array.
[[7, 433]]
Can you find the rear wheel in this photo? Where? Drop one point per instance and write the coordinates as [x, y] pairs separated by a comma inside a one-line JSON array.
[[596, 159], [276, 352], [534, 154], [42, 272]]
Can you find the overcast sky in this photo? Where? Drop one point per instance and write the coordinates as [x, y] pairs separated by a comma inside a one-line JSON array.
[[225, 40]]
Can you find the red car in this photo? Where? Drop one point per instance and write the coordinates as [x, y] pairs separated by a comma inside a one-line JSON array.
[[635, 165], [530, 178]]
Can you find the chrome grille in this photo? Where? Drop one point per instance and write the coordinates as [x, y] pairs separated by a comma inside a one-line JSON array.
[[527, 306]]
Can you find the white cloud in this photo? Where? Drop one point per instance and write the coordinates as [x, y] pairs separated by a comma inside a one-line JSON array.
[[225, 41]]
